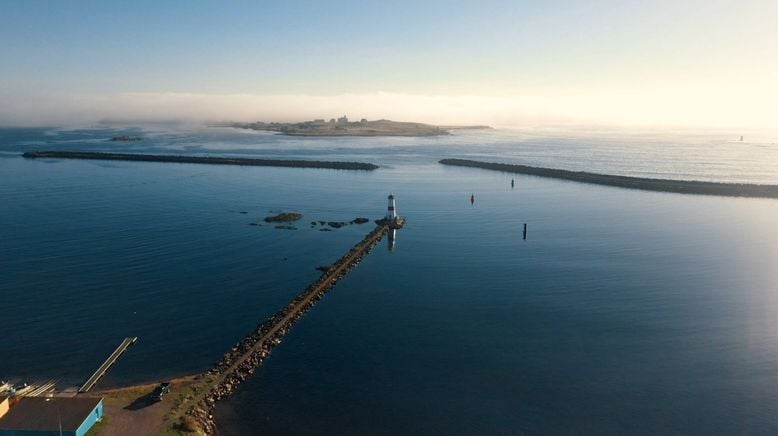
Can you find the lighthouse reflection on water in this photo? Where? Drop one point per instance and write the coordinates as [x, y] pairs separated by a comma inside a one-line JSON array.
[[392, 239]]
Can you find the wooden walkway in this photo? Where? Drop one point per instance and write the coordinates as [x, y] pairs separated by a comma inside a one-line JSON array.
[[117, 353]]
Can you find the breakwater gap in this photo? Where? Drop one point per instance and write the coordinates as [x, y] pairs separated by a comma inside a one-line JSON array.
[[645, 184], [335, 165], [194, 410]]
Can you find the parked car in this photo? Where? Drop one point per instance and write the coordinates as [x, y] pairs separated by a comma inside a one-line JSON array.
[[160, 391]]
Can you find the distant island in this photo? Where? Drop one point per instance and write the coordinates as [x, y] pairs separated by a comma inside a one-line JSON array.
[[343, 127]]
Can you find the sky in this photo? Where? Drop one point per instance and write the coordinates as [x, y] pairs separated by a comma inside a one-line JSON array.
[[711, 63]]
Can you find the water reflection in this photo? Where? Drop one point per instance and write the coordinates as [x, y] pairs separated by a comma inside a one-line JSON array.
[[392, 239]]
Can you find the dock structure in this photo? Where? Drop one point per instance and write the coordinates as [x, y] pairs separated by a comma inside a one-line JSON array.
[[117, 353], [41, 390]]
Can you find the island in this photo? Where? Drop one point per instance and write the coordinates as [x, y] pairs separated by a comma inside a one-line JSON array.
[[172, 158], [343, 127], [646, 184]]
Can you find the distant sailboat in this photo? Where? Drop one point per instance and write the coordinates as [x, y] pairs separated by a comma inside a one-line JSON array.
[[472, 198], [741, 138]]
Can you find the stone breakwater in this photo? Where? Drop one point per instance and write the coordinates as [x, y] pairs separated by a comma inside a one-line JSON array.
[[662, 185], [201, 160], [248, 354]]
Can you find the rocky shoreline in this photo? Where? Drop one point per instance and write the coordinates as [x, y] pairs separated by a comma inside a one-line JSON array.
[[201, 160], [248, 354], [661, 185]]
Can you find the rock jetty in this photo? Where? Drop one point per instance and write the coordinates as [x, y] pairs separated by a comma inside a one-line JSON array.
[[248, 354], [662, 185], [201, 160]]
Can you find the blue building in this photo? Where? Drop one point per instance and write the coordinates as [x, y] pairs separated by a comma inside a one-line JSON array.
[[39, 416]]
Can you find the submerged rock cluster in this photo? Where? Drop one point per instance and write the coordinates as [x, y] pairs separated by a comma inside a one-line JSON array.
[[286, 220], [339, 224], [248, 354]]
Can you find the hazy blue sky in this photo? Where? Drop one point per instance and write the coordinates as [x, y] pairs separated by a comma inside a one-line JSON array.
[[598, 60]]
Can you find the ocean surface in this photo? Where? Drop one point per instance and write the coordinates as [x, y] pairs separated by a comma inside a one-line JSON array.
[[623, 312]]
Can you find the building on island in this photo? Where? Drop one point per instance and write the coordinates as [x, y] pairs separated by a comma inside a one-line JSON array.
[[342, 120], [40, 416]]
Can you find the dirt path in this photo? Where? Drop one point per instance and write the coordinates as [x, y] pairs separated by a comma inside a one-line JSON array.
[[131, 411]]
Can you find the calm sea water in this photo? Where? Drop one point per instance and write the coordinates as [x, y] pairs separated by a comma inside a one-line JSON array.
[[623, 311]]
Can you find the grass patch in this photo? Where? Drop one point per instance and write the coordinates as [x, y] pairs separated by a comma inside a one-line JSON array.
[[99, 426]]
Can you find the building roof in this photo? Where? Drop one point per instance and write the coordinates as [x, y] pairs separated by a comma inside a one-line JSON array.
[[38, 413]]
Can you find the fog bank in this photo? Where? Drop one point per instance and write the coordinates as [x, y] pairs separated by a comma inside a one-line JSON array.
[[608, 107]]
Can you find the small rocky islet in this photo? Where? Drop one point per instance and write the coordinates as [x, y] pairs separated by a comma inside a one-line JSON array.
[[126, 138], [284, 217]]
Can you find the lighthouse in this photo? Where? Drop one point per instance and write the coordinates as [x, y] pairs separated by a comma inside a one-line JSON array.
[[391, 219], [391, 211]]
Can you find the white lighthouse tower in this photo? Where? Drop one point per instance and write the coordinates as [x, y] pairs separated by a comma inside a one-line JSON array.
[[391, 211]]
